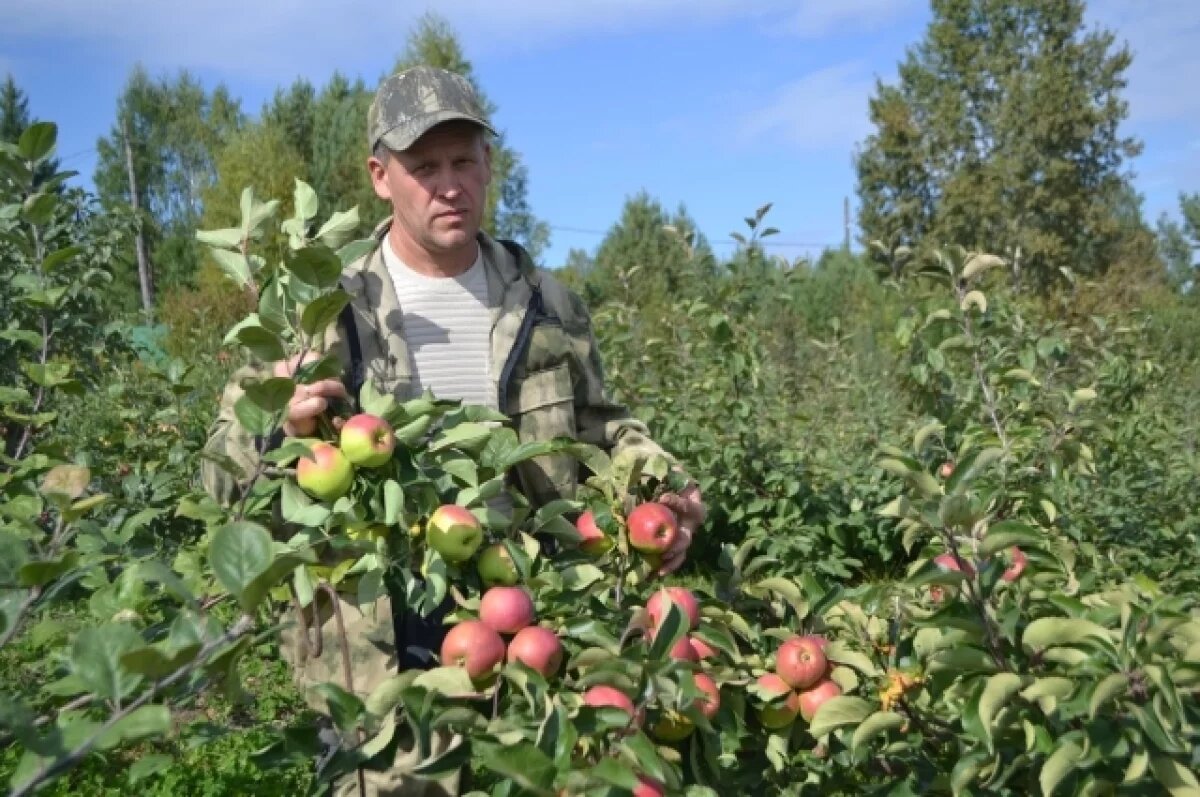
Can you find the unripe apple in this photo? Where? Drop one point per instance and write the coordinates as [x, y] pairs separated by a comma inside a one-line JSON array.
[[367, 440], [538, 649], [475, 646], [454, 533], [652, 528], [775, 715], [1016, 565], [602, 696], [496, 566], [506, 609], [681, 597], [812, 699], [595, 542], [800, 662], [328, 475]]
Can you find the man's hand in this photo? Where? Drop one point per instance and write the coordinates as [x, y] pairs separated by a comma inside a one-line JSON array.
[[309, 401], [690, 510]]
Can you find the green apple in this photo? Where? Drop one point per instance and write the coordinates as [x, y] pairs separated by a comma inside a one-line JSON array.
[[367, 440], [496, 567], [327, 475], [454, 533]]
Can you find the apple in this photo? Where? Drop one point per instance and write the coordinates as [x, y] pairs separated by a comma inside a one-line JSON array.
[[602, 696], [595, 542], [947, 469], [709, 705], [506, 609], [652, 528], [703, 649], [648, 787], [475, 646], [776, 715], [454, 533], [946, 561], [1017, 560], [800, 662], [367, 440], [327, 475], [538, 649], [812, 699], [681, 597], [683, 650], [496, 566]]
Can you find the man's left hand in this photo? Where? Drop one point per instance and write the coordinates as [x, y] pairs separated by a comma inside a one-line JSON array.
[[690, 510]]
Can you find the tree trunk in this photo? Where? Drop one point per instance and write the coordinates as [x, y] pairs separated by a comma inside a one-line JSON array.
[[145, 276]]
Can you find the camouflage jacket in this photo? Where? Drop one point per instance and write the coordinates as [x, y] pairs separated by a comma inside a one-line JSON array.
[[545, 366]]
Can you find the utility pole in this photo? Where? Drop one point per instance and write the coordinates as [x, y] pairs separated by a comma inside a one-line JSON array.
[[846, 224], [145, 277]]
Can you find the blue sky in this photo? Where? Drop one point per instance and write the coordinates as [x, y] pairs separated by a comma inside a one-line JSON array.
[[719, 105]]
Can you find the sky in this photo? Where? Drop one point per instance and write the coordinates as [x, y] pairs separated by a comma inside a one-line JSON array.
[[718, 106]]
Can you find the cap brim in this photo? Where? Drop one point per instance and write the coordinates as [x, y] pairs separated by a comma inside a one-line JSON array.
[[401, 137]]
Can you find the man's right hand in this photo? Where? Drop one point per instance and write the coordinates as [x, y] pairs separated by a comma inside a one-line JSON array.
[[309, 401]]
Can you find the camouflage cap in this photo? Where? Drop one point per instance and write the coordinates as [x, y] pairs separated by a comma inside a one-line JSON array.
[[407, 104]]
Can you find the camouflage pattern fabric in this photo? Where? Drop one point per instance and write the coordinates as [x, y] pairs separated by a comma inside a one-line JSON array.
[[409, 103]]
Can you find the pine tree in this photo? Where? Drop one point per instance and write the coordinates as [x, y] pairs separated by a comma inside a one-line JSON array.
[[1002, 134], [14, 120]]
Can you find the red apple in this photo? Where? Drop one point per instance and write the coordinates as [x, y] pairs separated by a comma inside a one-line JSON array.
[[813, 699], [702, 648], [1016, 567], [775, 715], [367, 440], [800, 662], [506, 609], [648, 787], [683, 650], [652, 528], [681, 597], [946, 561], [602, 696], [947, 469], [709, 705], [595, 542], [475, 646], [327, 475], [454, 533], [538, 649]]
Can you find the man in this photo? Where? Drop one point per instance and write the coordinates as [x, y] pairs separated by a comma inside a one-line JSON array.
[[440, 305]]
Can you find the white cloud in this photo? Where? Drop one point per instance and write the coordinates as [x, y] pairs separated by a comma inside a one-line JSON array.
[[817, 18], [823, 110]]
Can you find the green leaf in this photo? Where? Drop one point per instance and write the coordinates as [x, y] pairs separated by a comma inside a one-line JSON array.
[[60, 256], [466, 436], [1050, 686], [261, 342], [1058, 766], [450, 760], [345, 708], [341, 224], [316, 265], [238, 553], [1005, 535], [141, 723], [42, 572], [979, 263], [96, 659], [1046, 632], [271, 395], [323, 311], [674, 625], [37, 140], [448, 681], [872, 726], [253, 418], [234, 265], [148, 765], [524, 763], [998, 690], [1177, 779], [228, 238], [838, 712], [1114, 684], [615, 772], [155, 663], [355, 249], [304, 200]]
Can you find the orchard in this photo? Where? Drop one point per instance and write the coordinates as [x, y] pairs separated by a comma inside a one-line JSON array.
[[1004, 646]]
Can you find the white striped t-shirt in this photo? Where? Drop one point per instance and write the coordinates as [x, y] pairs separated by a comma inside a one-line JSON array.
[[447, 326]]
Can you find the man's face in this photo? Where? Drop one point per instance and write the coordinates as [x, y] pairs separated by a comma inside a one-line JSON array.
[[437, 187]]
